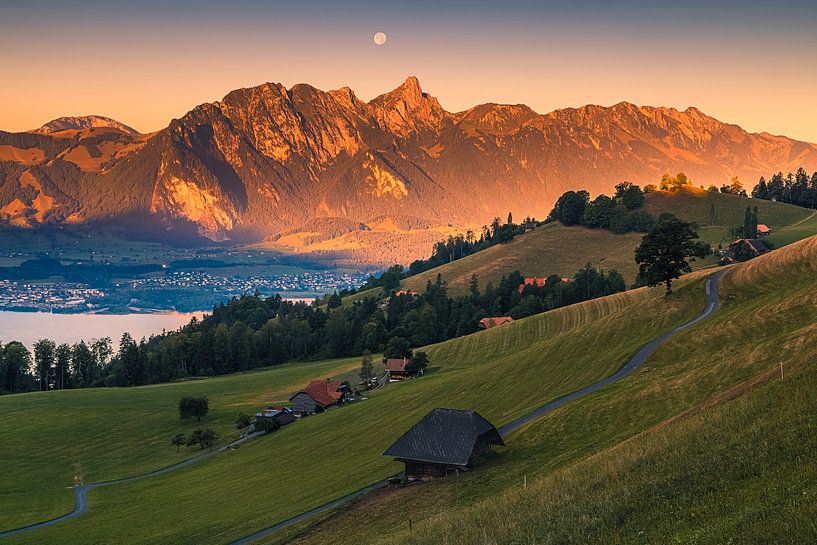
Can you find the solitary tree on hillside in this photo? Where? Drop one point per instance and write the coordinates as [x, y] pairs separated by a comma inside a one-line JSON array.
[[366, 366], [178, 440], [664, 253], [197, 407]]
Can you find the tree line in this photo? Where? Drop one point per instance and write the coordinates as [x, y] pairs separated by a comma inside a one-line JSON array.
[[445, 251], [798, 188], [620, 213], [252, 331]]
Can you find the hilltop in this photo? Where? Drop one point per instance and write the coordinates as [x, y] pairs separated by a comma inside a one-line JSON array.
[[269, 160], [668, 439], [556, 249]]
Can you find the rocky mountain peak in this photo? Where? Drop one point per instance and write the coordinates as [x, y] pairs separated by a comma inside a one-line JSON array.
[[79, 123]]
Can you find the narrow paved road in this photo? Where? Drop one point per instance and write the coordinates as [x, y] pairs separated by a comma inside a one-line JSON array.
[[81, 491], [712, 301]]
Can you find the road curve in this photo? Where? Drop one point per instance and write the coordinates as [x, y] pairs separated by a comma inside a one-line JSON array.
[[712, 302], [81, 491]]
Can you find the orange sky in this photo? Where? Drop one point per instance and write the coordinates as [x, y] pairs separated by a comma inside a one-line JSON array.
[[144, 70]]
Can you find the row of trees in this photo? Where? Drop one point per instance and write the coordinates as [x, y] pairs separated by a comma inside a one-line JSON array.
[[445, 251], [52, 366], [252, 331], [797, 188], [620, 213]]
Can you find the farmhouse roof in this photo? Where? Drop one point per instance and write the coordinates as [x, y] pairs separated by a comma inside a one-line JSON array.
[[495, 321], [324, 392], [396, 364], [763, 228], [444, 436]]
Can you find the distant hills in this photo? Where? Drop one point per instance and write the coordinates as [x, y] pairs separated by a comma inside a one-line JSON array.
[[381, 178]]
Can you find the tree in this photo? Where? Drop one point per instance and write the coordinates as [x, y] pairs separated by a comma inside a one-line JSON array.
[[366, 367], [598, 212], [208, 438], [569, 208], [195, 438], [44, 362], [664, 252], [633, 197], [178, 440], [510, 218], [417, 363], [242, 421], [397, 347], [62, 371], [15, 373], [734, 187], [197, 407], [266, 425]]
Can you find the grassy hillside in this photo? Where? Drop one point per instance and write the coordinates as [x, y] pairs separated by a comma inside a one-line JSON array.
[[556, 249], [102, 434], [502, 373], [340, 451], [691, 449]]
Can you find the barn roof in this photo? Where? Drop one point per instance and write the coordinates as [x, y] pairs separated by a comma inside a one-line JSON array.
[[397, 364], [324, 392], [444, 436]]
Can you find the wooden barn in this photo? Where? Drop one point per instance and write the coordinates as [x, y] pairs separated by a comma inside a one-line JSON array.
[[318, 396], [445, 441], [397, 368]]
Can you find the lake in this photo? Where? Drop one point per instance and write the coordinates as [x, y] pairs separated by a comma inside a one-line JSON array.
[[29, 327]]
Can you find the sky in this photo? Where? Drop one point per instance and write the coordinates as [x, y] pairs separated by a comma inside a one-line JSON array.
[[145, 63]]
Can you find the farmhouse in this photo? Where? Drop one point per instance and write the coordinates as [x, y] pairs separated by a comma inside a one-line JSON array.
[[445, 441], [407, 293], [397, 368], [763, 230], [538, 282], [318, 396], [488, 323], [750, 245], [282, 415]]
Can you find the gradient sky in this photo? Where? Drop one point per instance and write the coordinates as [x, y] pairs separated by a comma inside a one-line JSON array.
[[143, 63]]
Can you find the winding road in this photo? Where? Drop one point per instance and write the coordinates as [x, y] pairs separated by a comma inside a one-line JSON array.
[[81, 491]]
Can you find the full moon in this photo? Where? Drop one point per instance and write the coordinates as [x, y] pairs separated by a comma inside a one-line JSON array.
[[380, 38]]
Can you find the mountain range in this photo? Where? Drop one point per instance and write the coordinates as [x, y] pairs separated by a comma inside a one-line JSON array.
[[314, 170]]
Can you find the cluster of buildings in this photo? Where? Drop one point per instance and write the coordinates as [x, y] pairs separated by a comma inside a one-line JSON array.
[[59, 296], [306, 282]]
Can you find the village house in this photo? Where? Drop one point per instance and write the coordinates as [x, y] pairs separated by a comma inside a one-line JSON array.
[[754, 246], [488, 323], [397, 368], [445, 441], [538, 282], [319, 396], [407, 293], [763, 230], [281, 415]]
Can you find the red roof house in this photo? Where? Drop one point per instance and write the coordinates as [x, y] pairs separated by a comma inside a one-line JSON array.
[[397, 368], [538, 282], [488, 323], [318, 396], [763, 229]]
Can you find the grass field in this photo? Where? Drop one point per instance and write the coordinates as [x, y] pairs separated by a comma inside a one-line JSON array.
[[100, 434], [665, 456], [556, 249], [337, 452], [502, 373]]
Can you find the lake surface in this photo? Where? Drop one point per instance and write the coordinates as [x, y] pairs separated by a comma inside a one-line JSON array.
[[29, 327]]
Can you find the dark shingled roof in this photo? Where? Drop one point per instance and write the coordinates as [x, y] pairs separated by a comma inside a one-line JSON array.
[[444, 436]]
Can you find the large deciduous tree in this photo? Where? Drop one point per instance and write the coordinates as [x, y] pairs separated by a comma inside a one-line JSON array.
[[666, 251]]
